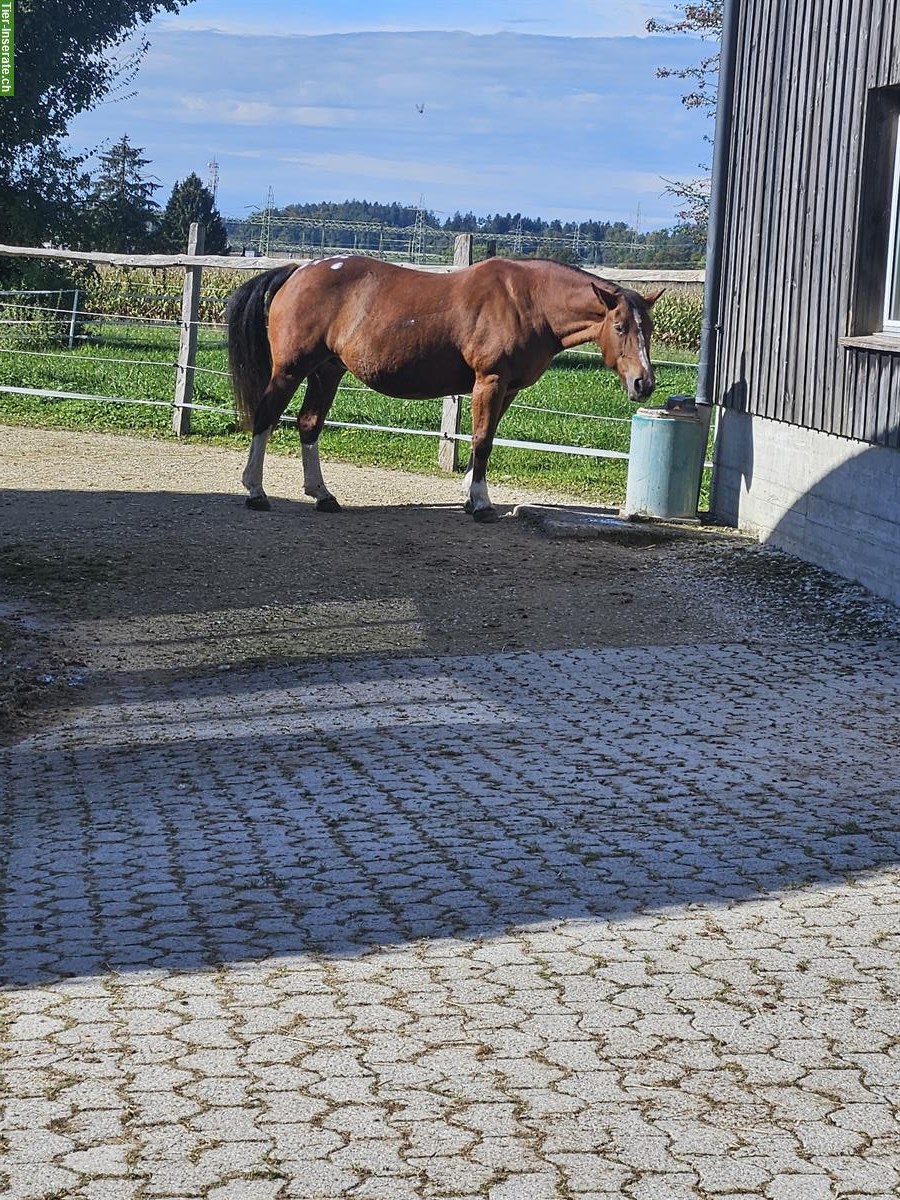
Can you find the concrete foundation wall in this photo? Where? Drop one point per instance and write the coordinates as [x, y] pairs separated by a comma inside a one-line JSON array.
[[829, 500]]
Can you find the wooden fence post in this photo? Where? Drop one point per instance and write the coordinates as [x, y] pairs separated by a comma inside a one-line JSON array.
[[462, 250], [451, 413], [448, 446], [187, 343]]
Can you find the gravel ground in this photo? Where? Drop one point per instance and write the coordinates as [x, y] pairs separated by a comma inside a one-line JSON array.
[[122, 555]]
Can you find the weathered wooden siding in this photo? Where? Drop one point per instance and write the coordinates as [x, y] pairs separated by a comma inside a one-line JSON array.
[[805, 216]]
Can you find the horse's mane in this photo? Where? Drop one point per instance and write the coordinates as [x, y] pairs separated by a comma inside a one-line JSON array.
[[552, 262]]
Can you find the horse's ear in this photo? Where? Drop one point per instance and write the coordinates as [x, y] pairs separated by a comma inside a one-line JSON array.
[[610, 299], [653, 297]]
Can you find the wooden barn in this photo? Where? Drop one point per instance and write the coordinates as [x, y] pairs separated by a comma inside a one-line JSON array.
[[806, 365]]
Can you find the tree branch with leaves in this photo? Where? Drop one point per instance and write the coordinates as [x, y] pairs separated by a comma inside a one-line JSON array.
[[70, 55], [703, 18]]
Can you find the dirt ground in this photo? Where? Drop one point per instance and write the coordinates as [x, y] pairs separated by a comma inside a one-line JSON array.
[[130, 558]]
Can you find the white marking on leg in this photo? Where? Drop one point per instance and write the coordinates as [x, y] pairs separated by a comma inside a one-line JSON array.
[[313, 483], [467, 484], [253, 472], [478, 494]]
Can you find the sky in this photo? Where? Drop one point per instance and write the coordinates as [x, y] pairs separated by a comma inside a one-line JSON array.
[[553, 110]]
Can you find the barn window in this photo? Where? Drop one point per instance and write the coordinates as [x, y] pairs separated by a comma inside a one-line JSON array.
[[891, 322], [874, 316]]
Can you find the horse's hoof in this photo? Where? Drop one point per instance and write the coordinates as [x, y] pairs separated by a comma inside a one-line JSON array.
[[328, 504], [468, 507], [259, 503], [487, 516]]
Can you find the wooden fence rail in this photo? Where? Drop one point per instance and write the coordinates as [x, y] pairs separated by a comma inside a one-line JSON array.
[[236, 262]]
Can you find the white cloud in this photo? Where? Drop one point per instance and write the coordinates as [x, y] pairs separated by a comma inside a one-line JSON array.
[[256, 112], [566, 18], [541, 125]]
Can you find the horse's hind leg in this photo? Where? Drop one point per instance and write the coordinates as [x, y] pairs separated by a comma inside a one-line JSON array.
[[275, 400], [320, 392], [253, 472]]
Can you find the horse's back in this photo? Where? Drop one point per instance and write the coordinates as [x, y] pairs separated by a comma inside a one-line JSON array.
[[344, 274], [408, 332]]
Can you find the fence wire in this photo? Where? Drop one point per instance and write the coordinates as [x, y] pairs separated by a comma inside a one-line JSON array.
[[70, 317]]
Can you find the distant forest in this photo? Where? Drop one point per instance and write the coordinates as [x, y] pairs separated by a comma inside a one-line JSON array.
[[370, 227]]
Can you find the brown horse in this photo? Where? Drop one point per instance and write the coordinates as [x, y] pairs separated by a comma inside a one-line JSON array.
[[491, 329]]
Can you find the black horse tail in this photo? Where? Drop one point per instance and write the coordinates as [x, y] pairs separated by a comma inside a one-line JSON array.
[[249, 356]]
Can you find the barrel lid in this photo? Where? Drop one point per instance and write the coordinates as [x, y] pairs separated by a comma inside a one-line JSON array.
[[667, 414]]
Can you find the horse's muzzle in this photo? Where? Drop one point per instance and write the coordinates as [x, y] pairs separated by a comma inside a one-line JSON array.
[[640, 387]]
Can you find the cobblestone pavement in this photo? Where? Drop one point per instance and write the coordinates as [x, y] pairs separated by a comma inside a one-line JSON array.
[[594, 924]]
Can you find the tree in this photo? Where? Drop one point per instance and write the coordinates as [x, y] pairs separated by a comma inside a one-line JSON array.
[[122, 213], [191, 201], [70, 55], [703, 17], [43, 195]]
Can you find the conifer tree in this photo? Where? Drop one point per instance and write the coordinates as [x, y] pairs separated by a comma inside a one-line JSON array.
[[191, 201], [122, 212]]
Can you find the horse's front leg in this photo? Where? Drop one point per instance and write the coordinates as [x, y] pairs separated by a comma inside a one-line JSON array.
[[313, 483], [320, 392], [488, 404]]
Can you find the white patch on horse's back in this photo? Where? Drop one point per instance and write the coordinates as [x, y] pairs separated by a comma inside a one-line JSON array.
[[336, 266], [642, 341]]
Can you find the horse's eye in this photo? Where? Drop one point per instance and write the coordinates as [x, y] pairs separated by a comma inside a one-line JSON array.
[[619, 327]]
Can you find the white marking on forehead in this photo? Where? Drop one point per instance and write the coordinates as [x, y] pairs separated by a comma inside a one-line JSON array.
[[642, 341]]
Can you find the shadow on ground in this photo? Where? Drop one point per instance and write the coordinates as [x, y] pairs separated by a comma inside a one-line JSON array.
[[356, 804], [146, 585]]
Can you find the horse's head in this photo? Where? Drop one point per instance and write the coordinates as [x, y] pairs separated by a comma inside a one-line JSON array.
[[624, 338]]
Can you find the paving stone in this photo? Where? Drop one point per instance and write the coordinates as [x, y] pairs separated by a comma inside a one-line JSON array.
[[247, 1189], [319, 1179], [109, 1189], [591, 1172], [822, 1137], [663, 1187], [373, 1188], [109, 1159], [800, 1187], [459, 928], [525, 1187]]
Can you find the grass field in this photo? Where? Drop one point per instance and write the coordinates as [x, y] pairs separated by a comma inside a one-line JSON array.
[[576, 383]]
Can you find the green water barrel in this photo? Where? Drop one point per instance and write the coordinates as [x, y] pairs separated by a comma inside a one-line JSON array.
[[665, 462]]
